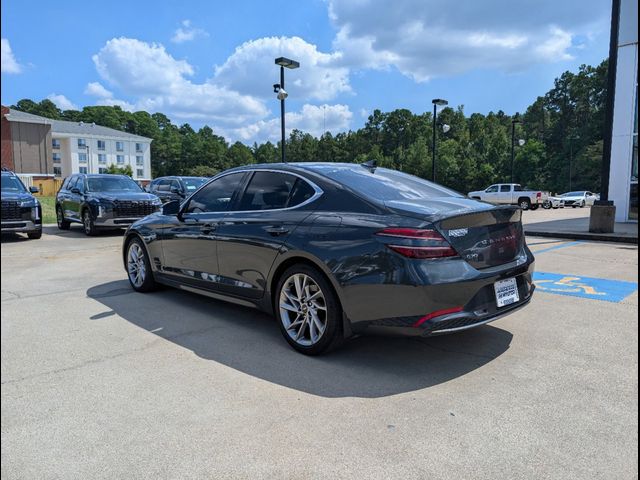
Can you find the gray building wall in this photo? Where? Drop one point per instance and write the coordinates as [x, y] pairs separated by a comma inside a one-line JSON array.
[[31, 145]]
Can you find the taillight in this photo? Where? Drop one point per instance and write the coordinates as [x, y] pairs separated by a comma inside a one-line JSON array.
[[539, 194], [426, 243]]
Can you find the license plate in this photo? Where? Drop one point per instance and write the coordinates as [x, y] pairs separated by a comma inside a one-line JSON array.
[[506, 292]]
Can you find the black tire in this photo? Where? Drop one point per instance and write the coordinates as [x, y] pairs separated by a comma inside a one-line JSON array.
[[547, 205], [534, 206], [524, 203], [88, 224], [62, 223], [573, 206], [333, 335], [149, 283], [582, 204], [35, 235]]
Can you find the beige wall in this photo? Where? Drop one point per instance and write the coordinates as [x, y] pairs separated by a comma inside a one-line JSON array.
[[31, 145]]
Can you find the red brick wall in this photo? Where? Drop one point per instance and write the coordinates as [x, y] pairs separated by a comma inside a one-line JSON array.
[[6, 148]]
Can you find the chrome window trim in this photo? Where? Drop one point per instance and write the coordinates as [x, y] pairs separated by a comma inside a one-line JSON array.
[[318, 191]]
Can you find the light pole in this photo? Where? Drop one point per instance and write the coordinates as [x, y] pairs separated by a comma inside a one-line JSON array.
[[513, 142], [436, 103], [282, 94], [86, 146]]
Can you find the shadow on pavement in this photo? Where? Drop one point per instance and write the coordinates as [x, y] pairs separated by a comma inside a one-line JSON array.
[[76, 231], [250, 341]]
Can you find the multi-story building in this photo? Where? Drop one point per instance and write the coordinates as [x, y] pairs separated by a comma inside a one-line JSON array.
[[72, 147]]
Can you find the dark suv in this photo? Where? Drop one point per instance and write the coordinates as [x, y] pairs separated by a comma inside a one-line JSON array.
[[21, 211], [102, 202], [175, 188]]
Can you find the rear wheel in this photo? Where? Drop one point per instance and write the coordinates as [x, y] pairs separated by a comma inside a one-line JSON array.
[[308, 311], [524, 203], [139, 267], [87, 222], [62, 223]]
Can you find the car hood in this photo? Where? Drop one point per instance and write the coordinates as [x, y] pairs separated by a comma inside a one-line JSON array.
[[438, 207], [122, 196], [17, 196]]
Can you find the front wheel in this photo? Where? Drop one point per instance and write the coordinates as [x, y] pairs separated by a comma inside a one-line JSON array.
[[88, 224], [139, 267], [62, 223], [308, 311], [582, 204]]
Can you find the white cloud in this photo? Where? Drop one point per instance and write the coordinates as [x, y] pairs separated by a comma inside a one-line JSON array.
[[62, 102], [313, 119], [9, 62], [428, 38], [159, 82], [186, 33], [114, 102], [251, 69], [96, 89]]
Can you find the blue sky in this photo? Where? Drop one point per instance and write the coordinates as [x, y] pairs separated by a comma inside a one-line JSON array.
[[211, 62]]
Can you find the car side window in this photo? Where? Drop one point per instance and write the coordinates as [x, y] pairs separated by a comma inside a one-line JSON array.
[[505, 188], [72, 183], [175, 184], [301, 192], [267, 191], [492, 189], [216, 196]]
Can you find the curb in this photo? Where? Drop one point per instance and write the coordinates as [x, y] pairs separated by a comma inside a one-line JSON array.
[[597, 237]]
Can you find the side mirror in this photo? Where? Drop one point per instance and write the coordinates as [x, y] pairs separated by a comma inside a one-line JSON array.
[[33, 189], [75, 190], [171, 208], [175, 189]]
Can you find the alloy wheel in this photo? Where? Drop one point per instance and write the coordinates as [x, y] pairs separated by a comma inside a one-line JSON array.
[[303, 309], [135, 265]]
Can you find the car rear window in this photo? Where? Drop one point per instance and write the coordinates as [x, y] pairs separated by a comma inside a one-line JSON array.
[[384, 184]]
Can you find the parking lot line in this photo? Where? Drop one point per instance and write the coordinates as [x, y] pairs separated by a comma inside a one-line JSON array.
[[557, 247]]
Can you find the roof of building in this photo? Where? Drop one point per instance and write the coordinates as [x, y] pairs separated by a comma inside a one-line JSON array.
[[71, 128]]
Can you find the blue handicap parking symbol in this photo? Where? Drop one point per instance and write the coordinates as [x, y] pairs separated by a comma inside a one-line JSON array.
[[586, 287]]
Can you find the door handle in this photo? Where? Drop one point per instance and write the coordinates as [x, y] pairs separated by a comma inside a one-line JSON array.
[[277, 231]]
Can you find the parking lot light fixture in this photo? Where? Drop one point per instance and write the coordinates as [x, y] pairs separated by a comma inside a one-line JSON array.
[[282, 94], [437, 102]]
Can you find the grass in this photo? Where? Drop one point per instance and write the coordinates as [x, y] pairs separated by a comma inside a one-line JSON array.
[[48, 209]]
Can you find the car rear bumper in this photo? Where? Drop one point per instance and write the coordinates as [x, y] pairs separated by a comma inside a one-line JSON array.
[[17, 226]]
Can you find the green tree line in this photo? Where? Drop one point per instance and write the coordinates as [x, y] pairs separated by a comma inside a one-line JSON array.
[[565, 123]]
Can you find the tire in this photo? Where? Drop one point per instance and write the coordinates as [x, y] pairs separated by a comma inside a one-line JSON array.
[[325, 308], [35, 235], [573, 206], [582, 204], [62, 223], [534, 206], [88, 224], [547, 205], [524, 203], [139, 270]]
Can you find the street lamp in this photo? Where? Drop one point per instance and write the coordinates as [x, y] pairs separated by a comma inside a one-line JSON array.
[[513, 142], [436, 103], [89, 169], [278, 88]]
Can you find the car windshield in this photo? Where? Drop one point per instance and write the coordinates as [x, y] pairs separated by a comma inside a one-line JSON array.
[[112, 184], [12, 184], [573, 194], [384, 184], [193, 184]]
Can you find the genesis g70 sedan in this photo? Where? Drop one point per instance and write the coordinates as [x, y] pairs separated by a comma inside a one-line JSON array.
[[335, 250]]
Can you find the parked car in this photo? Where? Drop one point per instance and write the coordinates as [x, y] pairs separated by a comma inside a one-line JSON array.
[[580, 198], [175, 188], [553, 202], [21, 211], [102, 201], [335, 250], [510, 194]]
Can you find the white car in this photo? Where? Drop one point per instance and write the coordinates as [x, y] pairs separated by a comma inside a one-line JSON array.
[[510, 194], [580, 198]]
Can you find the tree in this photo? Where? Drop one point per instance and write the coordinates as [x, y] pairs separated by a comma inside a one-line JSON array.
[[117, 170]]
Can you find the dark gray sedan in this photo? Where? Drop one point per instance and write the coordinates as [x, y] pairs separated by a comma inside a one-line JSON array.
[[336, 250]]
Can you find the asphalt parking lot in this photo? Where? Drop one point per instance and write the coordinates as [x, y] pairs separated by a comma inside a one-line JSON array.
[[102, 382]]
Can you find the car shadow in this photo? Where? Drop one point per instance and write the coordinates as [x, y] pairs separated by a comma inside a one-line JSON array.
[[76, 231], [250, 341]]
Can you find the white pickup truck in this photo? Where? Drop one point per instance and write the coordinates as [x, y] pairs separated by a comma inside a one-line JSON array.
[[511, 194]]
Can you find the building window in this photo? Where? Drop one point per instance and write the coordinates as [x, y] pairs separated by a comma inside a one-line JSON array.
[[82, 158], [102, 170], [57, 171], [140, 172], [55, 143], [101, 144], [82, 170], [120, 146], [102, 158], [56, 157], [82, 143], [138, 147], [139, 160], [120, 159]]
